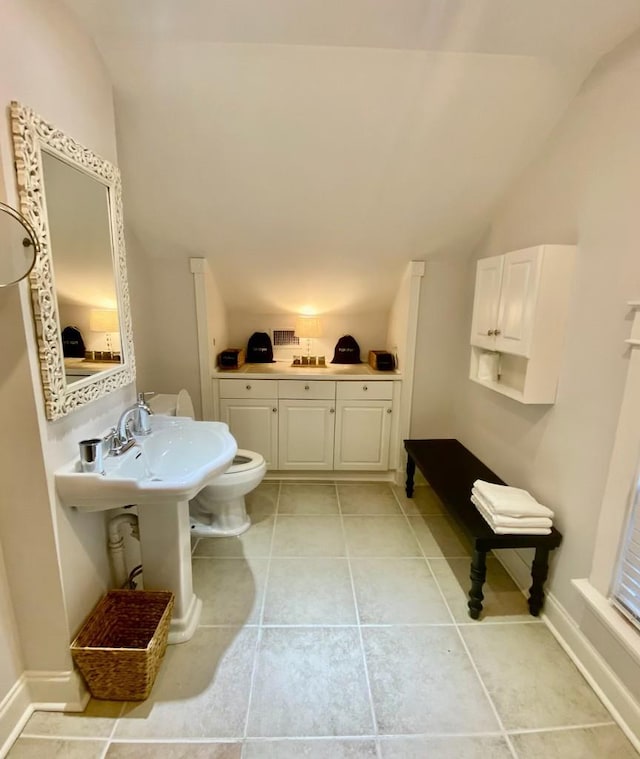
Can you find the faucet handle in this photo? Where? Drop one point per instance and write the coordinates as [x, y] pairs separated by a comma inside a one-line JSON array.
[[142, 397], [112, 442]]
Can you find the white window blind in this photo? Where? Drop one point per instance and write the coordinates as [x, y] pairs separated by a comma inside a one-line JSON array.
[[626, 594]]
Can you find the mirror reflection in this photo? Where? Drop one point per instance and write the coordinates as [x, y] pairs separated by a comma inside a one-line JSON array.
[[85, 284]]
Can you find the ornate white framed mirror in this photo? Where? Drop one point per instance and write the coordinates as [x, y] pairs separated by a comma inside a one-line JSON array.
[[73, 200]]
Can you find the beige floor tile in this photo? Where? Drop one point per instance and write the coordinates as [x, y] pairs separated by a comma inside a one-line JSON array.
[[477, 747], [309, 591], [263, 501], [56, 748], [531, 680], [380, 536], [231, 589], [439, 536], [368, 498], [423, 501], [322, 748], [256, 541], [96, 721], [503, 600], [397, 591], [317, 498], [202, 690], [308, 536], [310, 682], [422, 682], [174, 751], [584, 743]]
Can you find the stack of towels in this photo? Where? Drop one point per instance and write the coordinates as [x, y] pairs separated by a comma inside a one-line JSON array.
[[511, 511]]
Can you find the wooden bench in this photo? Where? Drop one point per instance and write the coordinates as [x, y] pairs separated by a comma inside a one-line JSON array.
[[451, 470]]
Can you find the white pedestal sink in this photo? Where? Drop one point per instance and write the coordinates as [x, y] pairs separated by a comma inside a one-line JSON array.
[[159, 475]]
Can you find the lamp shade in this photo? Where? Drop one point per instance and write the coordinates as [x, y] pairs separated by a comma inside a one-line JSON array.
[[103, 320], [308, 326]]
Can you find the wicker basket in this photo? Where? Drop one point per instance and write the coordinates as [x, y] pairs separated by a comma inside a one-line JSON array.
[[120, 646]]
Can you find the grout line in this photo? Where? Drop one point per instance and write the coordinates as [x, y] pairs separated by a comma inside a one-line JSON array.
[[261, 619], [113, 730], [466, 649], [359, 626], [559, 728]]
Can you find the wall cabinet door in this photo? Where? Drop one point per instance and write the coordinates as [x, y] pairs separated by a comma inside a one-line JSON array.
[[362, 435], [305, 438], [254, 425], [486, 300], [517, 307]]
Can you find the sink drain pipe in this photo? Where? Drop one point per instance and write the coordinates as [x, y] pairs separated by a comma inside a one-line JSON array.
[[116, 545]]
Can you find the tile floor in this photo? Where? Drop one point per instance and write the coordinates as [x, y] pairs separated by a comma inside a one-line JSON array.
[[336, 628]]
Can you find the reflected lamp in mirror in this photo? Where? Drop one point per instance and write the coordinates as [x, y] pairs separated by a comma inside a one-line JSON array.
[[106, 321], [308, 327]]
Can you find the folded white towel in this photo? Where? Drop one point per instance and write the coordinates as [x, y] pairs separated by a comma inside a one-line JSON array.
[[503, 521], [511, 502], [508, 530]]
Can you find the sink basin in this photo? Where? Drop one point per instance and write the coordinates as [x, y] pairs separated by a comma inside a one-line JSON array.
[[172, 464]]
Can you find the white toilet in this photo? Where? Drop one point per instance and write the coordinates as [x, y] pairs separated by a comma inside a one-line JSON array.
[[219, 509]]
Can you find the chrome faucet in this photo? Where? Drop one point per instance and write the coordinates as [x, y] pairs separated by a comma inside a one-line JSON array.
[[133, 421]]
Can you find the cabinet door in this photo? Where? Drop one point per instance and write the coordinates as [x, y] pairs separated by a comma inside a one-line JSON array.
[[485, 301], [518, 295], [306, 434], [254, 425], [362, 435]]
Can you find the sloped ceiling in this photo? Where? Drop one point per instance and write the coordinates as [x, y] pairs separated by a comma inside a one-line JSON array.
[[310, 148]]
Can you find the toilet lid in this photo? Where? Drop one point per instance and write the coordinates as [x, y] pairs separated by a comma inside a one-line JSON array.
[[184, 406], [244, 461]]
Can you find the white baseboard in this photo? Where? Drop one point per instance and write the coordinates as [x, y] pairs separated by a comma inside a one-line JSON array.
[[44, 691], [15, 710], [592, 665], [58, 691]]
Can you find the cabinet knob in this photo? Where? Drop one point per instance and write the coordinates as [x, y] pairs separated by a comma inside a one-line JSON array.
[[496, 332], [332, 411], [248, 387], [306, 387], [490, 332], [388, 411], [275, 410], [364, 387]]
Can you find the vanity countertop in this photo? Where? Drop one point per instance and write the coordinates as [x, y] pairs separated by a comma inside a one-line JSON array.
[[284, 370]]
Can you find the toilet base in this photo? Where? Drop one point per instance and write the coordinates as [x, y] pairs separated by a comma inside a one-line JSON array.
[[230, 519], [202, 530]]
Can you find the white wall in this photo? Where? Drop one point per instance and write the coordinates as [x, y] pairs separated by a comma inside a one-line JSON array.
[[583, 188], [55, 559]]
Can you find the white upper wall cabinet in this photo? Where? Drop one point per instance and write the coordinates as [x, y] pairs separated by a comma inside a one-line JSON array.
[[519, 317]]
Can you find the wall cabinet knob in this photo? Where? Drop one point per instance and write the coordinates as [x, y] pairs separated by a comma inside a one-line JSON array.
[[332, 411], [275, 410], [489, 332], [248, 387], [388, 411], [306, 387], [496, 332], [364, 387]]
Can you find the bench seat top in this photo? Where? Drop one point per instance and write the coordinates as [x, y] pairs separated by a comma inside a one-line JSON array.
[[451, 470]]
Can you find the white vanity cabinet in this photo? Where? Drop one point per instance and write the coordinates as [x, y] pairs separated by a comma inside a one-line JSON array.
[[520, 311], [251, 411], [363, 426], [313, 425], [306, 424]]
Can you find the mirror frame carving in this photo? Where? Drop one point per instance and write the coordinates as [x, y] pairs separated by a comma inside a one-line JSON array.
[[30, 134]]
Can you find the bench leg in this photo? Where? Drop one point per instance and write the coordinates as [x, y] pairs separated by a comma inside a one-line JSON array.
[[411, 470], [478, 576], [539, 571]]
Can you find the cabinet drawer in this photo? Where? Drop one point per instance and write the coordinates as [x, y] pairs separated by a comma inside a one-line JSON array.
[[246, 388], [363, 391], [303, 389]]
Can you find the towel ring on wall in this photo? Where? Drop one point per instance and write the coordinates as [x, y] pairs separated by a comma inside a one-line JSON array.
[[18, 246]]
